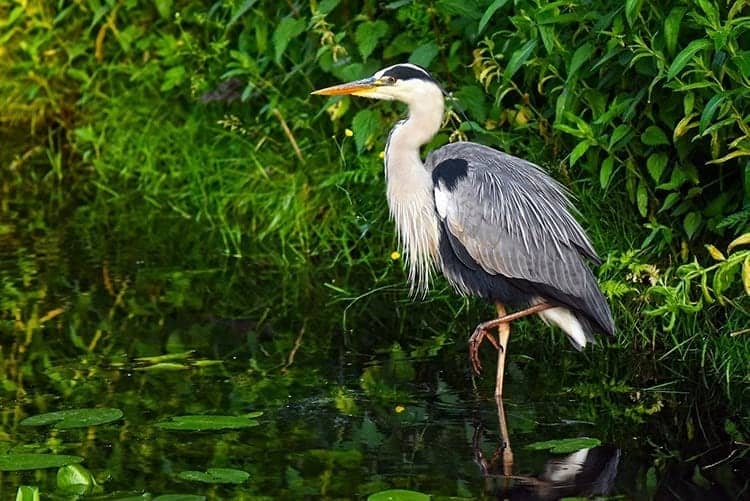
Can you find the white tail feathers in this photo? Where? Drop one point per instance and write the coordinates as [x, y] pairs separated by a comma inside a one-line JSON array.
[[567, 321]]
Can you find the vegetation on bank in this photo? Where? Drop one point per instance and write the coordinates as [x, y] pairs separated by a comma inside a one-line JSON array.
[[138, 135]]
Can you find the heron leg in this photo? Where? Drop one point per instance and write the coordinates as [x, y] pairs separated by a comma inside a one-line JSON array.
[[482, 331]]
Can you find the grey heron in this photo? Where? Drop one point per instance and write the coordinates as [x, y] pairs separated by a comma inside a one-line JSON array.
[[497, 226]]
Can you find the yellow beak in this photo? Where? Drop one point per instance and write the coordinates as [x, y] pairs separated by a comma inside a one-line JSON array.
[[357, 88]]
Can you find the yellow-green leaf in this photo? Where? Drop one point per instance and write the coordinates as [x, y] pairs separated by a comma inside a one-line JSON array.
[[746, 275], [715, 253], [730, 156], [743, 239]]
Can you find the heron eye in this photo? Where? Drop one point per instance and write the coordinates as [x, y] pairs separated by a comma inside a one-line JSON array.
[[389, 80]]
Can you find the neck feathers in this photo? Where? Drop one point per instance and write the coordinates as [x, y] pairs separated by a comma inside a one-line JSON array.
[[410, 188]]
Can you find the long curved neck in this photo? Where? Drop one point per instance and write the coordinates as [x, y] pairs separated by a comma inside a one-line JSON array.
[[410, 187]]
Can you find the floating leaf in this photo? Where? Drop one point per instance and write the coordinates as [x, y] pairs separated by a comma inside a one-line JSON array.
[[565, 445], [74, 418], [398, 495], [179, 497], [216, 476], [205, 422], [18, 462], [164, 367]]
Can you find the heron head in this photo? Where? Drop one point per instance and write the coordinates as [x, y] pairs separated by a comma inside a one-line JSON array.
[[407, 83]]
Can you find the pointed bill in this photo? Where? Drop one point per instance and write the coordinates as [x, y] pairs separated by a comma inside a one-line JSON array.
[[357, 88]]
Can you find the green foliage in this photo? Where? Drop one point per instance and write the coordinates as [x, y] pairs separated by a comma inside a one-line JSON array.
[[653, 99], [565, 445], [34, 461]]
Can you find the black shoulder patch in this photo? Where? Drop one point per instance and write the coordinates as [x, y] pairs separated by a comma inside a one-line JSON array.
[[404, 72], [450, 172]]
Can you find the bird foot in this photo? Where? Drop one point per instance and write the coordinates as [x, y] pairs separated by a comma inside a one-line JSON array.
[[477, 338]]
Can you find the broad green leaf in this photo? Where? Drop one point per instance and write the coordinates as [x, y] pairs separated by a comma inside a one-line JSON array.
[[365, 125], [565, 445], [164, 7], [216, 476], [606, 172], [580, 56], [656, 163], [709, 111], [326, 6], [671, 199], [691, 223], [620, 132], [517, 59], [367, 36], [743, 239], [18, 462], [672, 28], [641, 198], [474, 99], [654, 136], [579, 151], [424, 54], [288, 29], [398, 495], [685, 56], [27, 493], [632, 9], [494, 7], [74, 418], [208, 423]]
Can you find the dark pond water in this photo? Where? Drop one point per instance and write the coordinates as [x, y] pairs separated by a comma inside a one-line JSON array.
[[385, 400]]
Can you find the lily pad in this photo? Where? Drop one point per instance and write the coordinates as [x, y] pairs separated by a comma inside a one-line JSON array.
[[565, 445], [74, 418], [18, 462], [179, 497], [206, 423], [398, 495], [216, 476]]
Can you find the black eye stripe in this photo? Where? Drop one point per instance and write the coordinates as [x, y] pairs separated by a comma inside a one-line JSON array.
[[402, 72]]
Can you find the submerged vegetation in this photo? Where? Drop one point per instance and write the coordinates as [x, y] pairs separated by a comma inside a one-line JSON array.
[[167, 184]]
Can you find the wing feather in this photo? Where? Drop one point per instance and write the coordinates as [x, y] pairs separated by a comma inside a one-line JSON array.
[[514, 220]]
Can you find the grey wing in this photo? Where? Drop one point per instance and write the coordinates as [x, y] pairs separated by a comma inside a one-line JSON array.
[[514, 220]]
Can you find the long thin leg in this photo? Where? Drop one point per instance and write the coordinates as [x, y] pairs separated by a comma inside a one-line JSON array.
[[482, 332], [503, 336]]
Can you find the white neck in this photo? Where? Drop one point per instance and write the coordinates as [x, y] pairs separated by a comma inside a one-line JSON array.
[[410, 188]]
